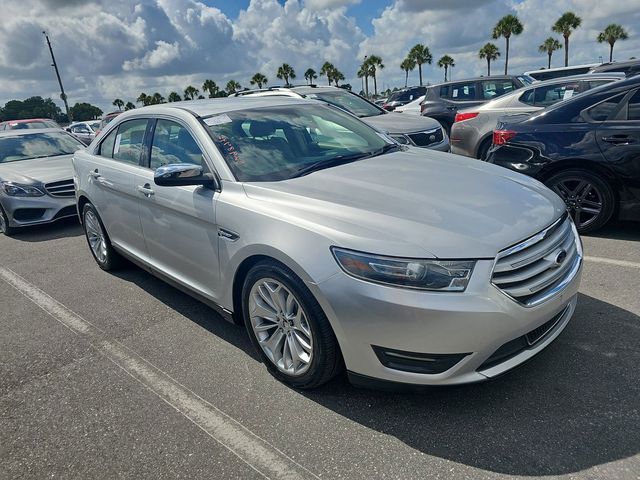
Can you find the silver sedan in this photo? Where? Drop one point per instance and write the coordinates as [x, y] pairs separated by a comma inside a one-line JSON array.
[[333, 246], [36, 183], [471, 134]]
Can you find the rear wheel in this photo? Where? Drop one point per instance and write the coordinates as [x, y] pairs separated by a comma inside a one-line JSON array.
[[99, 244], [288, 327], [483, 150], [4, 223], [589, 199]]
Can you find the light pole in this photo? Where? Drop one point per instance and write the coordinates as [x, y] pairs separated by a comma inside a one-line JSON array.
[[63, 95]]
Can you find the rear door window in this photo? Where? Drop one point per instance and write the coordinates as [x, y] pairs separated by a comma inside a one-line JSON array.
[[602, 111], [496, 88], [633, 107], [128, 143], [463, 91], [550, 94]]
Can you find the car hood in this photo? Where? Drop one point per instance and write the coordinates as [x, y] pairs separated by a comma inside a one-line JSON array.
[[38, 170], [414, 203], [400, 123]]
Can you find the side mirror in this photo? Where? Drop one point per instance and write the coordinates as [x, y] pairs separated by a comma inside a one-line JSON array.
[[179, 174]]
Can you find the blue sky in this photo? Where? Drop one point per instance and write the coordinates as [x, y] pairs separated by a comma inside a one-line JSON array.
[[119, 48]]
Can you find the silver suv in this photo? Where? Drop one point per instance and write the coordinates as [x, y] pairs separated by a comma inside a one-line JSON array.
[[405, 129], [333, 246]]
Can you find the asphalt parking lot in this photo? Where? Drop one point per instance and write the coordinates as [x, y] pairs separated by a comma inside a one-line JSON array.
[[122, 376]]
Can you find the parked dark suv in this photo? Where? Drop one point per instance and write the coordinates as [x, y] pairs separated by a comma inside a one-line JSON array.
[[402, 97], [586, 149], [442, 101], [629, 68]]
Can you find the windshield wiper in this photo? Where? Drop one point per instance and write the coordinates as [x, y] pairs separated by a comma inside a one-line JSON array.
[[342, 159]]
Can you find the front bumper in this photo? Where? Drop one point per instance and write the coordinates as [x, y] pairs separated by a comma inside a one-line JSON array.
[[25, 211], [476, 323]]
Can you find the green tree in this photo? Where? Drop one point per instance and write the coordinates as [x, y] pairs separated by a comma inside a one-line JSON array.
[[129, 106], [85, 111], [506, 27], [611, 34], [191, 93], [565, 25], [144, 99], [174, 97], [327, 69], [363, 73], [549, 46], [407, 65], [491, 52], [156, 99], [259, 80], [211, 87], [310, 75], [375, 64], [421, 55], [233, 87], [286, 72], [118, 103], [337, 76], [445, 62], [32, 107]]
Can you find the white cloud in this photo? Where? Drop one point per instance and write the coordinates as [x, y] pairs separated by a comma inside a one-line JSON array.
[[327, 4], [156, 58]]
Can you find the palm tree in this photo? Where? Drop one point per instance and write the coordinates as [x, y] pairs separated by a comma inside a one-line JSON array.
[[143, 98], [286, 72], [549, 46], [611, 34], [156, 98], [407, 65], [507, 26], [375, 63], [129, 106], [420, 54], [491, 52], [232, 87], [565, 25], [327, 69], [174, 97], [258, 79], [445, 62], [211, 87], [337, 76], [191, 93], [363, 73], [310, 75], [118, 103]]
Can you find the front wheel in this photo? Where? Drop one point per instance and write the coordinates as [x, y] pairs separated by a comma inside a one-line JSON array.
[[288, 327], [4, 224], [589, 199]]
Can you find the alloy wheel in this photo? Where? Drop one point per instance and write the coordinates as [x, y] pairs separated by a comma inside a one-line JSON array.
[[584, 200], [3, 223], [281, 327], [95, 235]]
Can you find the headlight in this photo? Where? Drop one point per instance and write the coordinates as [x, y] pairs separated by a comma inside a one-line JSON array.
[[17, 190], [439, 275]]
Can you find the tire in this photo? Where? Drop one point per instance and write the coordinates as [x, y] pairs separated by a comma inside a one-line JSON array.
[[275, 291], [589, 198], [483, 150], [99, 244], [4, 224]]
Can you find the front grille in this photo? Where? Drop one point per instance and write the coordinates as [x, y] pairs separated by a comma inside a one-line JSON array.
[[533, 270], [63, 188], [424, 139]]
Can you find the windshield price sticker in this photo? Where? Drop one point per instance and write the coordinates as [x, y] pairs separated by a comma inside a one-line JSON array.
[[218, 120]]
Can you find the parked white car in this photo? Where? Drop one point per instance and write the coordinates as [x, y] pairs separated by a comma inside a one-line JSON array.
[[411, 107]]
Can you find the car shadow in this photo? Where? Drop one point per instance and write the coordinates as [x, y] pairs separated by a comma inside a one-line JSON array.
[[618, 231], [63, 228], [573, 406]]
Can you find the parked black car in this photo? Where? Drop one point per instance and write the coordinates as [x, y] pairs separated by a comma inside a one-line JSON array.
[[442, 101], [586, 148], [629, 68], [402, 97]]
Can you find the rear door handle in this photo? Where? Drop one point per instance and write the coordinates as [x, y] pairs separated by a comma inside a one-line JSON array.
[[145, 189], [618, 139], [95, 174]]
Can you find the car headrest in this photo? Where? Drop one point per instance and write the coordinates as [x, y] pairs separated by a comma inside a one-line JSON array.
[[262, 129]]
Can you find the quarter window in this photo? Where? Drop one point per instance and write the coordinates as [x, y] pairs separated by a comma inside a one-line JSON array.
[[601, 111], [172, 143], [106, 147], [463, 91], [129, 141]]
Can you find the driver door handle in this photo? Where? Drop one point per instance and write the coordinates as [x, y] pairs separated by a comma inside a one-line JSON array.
[[618, 139], [95, 174], [145, 189]]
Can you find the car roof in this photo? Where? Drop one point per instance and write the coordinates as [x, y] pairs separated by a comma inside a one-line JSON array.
[[626, 63], [475, 79], [208, 107], [31, 131], [29, 120]]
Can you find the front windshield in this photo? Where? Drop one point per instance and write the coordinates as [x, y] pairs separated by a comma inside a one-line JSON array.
[[277, 143], [350, 102], [36, 145], [32, 125]]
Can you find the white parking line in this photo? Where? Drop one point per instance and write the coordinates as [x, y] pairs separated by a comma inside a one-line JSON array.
[[612, 261], [256, 452]]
